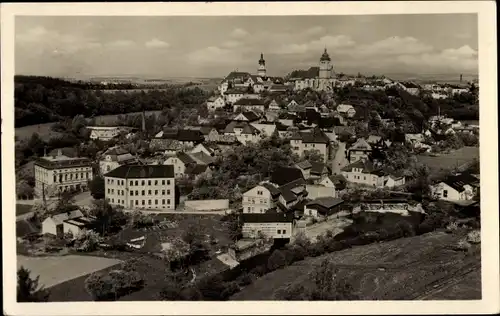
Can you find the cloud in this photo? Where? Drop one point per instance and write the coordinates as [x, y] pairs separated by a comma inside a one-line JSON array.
[[460, 59], [395, 46], [120, 43], [156, 43], [239, 33], [328, 41], [231, 44], [216, 55], [313, 31]]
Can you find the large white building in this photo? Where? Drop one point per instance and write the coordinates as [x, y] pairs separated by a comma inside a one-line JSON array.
[[141, 187], [60, 173], [106, 133]]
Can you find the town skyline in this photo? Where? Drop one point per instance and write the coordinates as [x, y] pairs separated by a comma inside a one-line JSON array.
[[137, 46]]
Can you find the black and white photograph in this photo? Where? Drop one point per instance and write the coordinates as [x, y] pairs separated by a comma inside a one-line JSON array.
[[218, 155]]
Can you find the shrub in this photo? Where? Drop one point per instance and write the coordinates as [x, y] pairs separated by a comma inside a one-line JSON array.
[[299, 252], [245, 279], [474, 237], [276, 261], [462, 245], [259, 270], [230, 289], [451, 227]]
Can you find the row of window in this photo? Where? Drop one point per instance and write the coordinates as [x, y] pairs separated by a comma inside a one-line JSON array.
[[143, 192], [252, 201], [83, 175], [136, 182], [143, 202]]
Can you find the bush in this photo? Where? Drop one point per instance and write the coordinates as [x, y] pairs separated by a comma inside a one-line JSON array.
[[474, 237], [299, 252], [245, 279], [230, 289], [462, 245], [276, 261], [105, 287]]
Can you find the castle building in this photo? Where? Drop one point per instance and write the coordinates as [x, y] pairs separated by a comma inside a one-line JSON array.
[[322, 79]]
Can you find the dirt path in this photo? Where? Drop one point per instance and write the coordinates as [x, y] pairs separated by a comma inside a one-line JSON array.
[[340, 160]]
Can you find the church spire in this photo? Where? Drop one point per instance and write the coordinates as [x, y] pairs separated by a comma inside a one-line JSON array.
[[261, 60]]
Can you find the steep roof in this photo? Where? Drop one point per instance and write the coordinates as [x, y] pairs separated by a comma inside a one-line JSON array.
[[236, 91], [189, 135], [284, 175], [304, 165], [245, 126], [185, 158], [61, 217], [458, 181], [339, 181], [272, 189], [318, 167], [314, 136], [237, 75], [139, 171], [196, 169], [249, 101], [250, 115], [344, 107], [326, 202], [202, 158], [361, 144], [373, 139], [365, 165]]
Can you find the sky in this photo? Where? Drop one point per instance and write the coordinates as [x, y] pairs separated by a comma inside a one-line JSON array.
[[210, 46]]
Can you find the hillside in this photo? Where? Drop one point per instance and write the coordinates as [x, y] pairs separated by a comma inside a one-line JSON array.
[[422, 267]]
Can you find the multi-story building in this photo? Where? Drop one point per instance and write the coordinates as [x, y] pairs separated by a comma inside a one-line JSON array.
[[309, 141], [361, 149], [141, 187], [58, 173], [323, 81], [271, 225], [115, 157], [260, 199], [106, 133]]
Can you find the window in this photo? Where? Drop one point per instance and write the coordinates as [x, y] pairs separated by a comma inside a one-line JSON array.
[[163, 202], [112, 191], [136, 192], [156, 202], [136, 202], [279, 231], [168, 182], [109, 191], [136, 182], [118, 192], [65, 177], [156, 182], [168, 192], [143, 192], [131, 193], [162, 192], [149, 192], [156, 192], [76, 176], [445, 193], [143, 182], [168, 201], [112, 200], [131, 183], [259, 192], [149, 202], [143, 202], [284, 231], [149, 182], [249, 208]]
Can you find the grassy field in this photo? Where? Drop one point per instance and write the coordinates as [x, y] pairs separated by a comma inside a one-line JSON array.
[[58, 269], [450, 160], [395, 270], [113, 119]]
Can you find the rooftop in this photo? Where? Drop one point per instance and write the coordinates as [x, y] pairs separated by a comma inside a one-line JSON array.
[[138, 172]]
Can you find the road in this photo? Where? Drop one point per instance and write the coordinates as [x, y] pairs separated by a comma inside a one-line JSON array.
[[340, 160]]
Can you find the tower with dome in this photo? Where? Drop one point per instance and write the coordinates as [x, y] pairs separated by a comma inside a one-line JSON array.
[[320, 78], [325, 66], [261, 72]]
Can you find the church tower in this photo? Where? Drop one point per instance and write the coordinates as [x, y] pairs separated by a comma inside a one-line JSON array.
[[325, 67], [262, 66]]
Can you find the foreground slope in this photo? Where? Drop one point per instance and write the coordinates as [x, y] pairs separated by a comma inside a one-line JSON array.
[[421, 267]]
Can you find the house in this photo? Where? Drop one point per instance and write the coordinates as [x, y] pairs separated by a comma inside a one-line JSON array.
[[186, 138], [260, 198], [278, 88], [59, 173], [106, 133], [338, 182], [267, 129], [284, 175], [323, 207], [359, 150], [215, 102], [346, 110], [233, 95], [141, 186], [196, 171], [365, 173], [291, 193], [305, 167], [457, 187], [68, 222], [243, 132], [247, 116], [318, 190], [296, 109], [182, 162], [247, 104], [375, 141], [246, 248], [271, 225], [316, 139], [272, 105], [115, 157], [167, 146], [207, 149], [383, 205], [287, 119], [319, 170], [411, 88], [291, 104]]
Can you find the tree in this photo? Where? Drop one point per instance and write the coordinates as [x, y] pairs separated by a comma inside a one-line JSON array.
[[234, 227], [97, 188], [328, 286], [23, 189], [276, 261], [28, 289], [313, 155], [103, 212]]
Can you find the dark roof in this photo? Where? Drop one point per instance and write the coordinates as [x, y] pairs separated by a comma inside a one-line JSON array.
[[288, 191], [189, 135], [267, 218], [60, 164], [458, 181], [250, 115], [318, 167], [185, 158], [137, 172], [339, 181], [314, 136], [366, 165], [197, 169], [237, 75], [236, 91], [326, 202], [288, 196], [284, 175], [325, 56], [274, 190], [249, 101]]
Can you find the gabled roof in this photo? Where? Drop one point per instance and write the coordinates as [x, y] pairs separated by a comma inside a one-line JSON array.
[[346, 130], [250, 115], [326, 202], [344, 107], [284, 175], [365, 165], [314, 136], [237, 75], [272, 189], [236, 91], [202, 158], [339, 181], [318, 168], [139, 171], [245, 126], [185, 158], [61, 217], [361, 144], [189, 135], [304, 165], [458, 181], [249, 102], [196, 169], [373, 139]]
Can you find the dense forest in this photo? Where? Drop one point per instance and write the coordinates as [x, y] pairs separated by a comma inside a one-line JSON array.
[[44, 99]]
